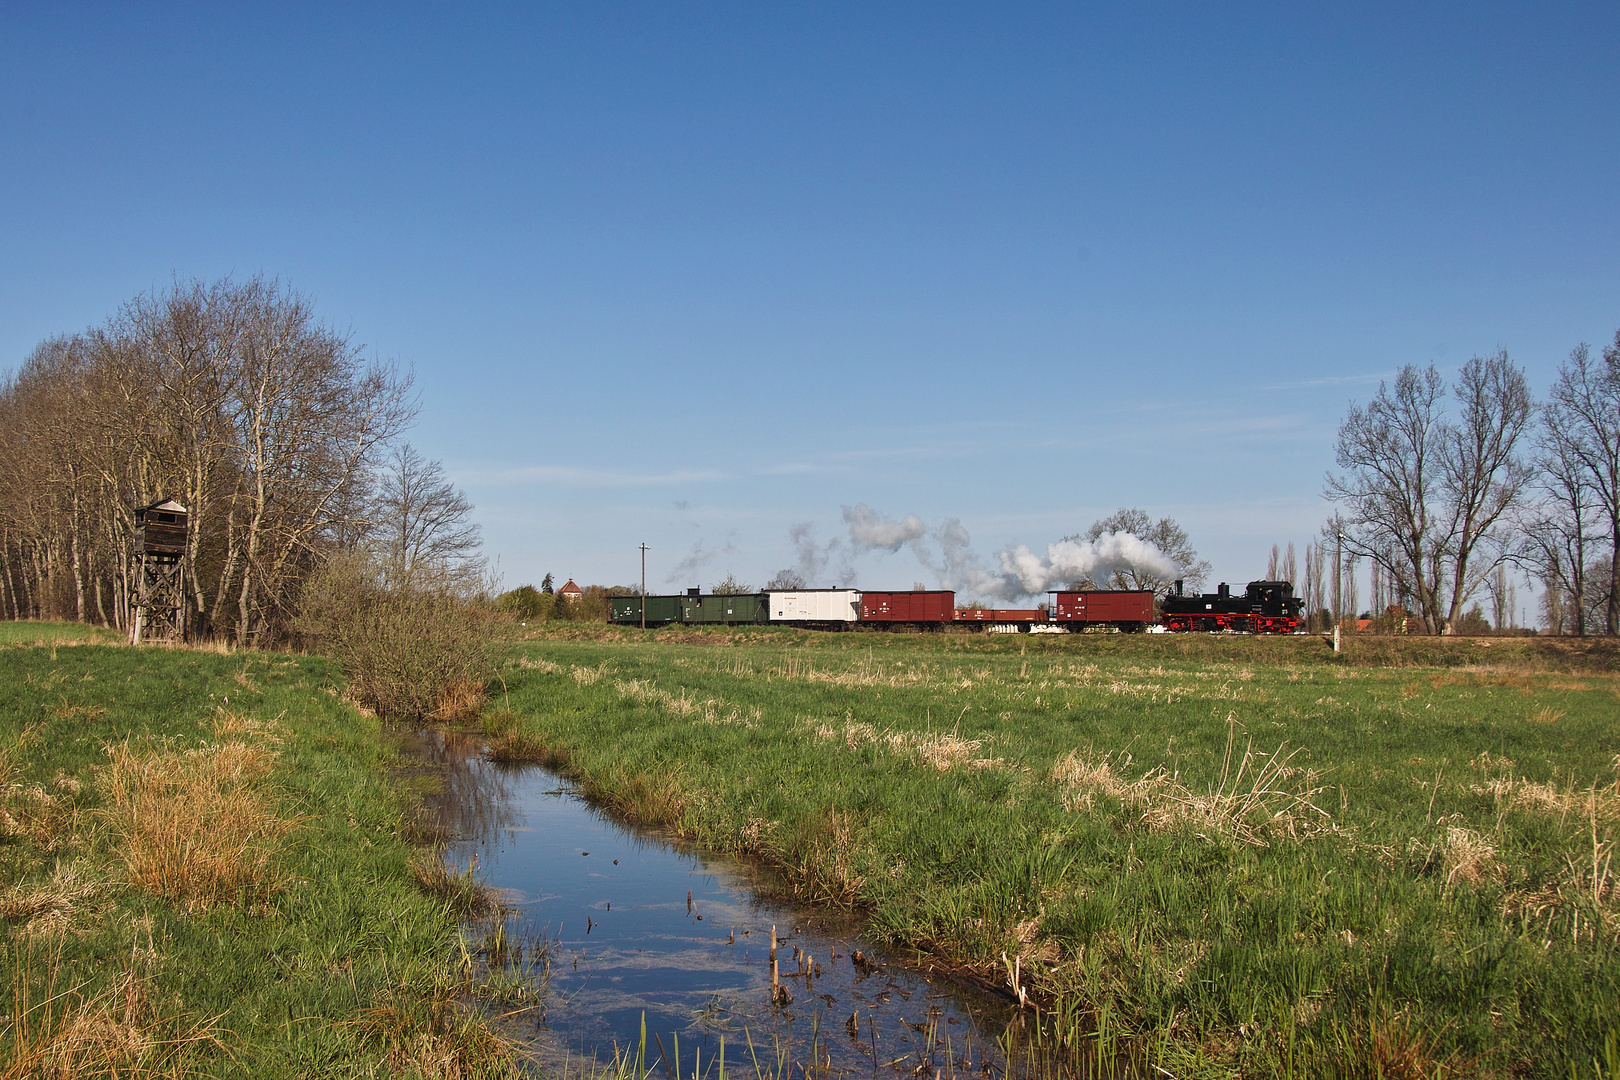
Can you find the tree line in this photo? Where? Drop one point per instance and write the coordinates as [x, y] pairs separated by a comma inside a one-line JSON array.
[[284, 442], [281, 439], [1444, 490]]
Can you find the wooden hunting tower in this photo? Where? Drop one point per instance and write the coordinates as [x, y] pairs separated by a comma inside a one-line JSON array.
[[160, 530], [160, 548]]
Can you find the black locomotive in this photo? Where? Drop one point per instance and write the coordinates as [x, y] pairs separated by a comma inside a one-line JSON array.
[[1266, 607]]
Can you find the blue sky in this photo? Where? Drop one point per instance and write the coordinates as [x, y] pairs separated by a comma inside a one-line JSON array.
[[695, 274]]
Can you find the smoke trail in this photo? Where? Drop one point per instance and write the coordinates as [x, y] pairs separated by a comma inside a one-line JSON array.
[[689, 567], [820, 565], [869, 530], [947, 551], [811, 559], [1025, 573]]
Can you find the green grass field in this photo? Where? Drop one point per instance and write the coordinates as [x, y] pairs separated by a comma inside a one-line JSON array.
[[1217, 856], [29, 633], [221, 950]]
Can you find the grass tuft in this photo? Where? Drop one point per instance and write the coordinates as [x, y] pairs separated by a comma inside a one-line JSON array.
[[656, 799], [47, 906], [433, 1035], [1263, 797], [459, 890], [194, 825], [57, 1033]]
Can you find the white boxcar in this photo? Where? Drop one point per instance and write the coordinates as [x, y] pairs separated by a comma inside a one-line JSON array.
[[816, 606]]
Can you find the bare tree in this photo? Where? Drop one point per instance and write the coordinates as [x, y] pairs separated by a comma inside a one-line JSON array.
[[1557, 529], [421, 527], [309, 416], [1428, 500], [1583, 442], [1388, 453], [786, 580], [229, 397], [1164, 534], [1351, 595], [1484, 478], [731, 587]]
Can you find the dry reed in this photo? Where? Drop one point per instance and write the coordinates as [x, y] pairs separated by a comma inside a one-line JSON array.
[[459, 699], [46, 906], [434, 1035], [195, 826], [1258, 796], [57, 1033]]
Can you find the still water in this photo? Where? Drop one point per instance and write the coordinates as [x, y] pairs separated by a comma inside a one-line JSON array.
[[630, 923]]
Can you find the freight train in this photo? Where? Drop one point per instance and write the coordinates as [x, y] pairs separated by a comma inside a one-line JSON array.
[[1266, 607]]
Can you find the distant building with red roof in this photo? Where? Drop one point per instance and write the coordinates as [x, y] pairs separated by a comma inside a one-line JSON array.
[[571, 592]]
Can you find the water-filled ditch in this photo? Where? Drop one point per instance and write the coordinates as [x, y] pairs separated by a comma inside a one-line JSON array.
[[619, 923]]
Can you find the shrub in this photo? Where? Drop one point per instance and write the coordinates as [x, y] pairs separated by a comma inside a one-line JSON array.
[[525, 602], [408, 654]]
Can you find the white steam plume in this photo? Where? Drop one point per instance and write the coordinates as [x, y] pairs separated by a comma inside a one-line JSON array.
[[869, 529], [1024, 573]]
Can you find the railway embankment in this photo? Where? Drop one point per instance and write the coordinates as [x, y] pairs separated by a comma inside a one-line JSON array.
[[1528, 653]]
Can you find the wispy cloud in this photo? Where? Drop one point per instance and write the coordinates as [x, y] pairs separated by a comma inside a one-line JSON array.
[[1332, 380], [846, 461], [570, 476]]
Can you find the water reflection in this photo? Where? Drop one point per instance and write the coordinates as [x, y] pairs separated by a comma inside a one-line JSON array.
[[634, 924]]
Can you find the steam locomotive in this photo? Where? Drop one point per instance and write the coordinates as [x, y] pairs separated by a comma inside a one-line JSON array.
[[1267, 607]]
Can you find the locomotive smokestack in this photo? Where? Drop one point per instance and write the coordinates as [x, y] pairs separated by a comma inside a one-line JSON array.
[[1178, 588]]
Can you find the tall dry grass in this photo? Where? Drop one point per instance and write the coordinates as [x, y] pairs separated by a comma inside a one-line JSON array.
[[1258, 796], [433, 1034], [197, 826], [55, 1032], [46, 906]]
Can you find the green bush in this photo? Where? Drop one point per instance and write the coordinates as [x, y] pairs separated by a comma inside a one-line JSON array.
[[525, 602]]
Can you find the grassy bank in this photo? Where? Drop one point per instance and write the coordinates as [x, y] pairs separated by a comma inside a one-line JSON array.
[[1540, 654], [1228, 856], [205, 869], [28, 633]]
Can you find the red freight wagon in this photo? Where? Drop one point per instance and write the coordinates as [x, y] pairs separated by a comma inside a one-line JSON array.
[[1000, 615], [908, 607], [1124, 609]]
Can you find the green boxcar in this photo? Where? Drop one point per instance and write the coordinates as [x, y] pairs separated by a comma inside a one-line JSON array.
[[725, 610], [626, 610]]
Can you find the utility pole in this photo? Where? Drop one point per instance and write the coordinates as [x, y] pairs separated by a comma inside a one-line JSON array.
[[1338, 579], [1338, 572], [644, 585]]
